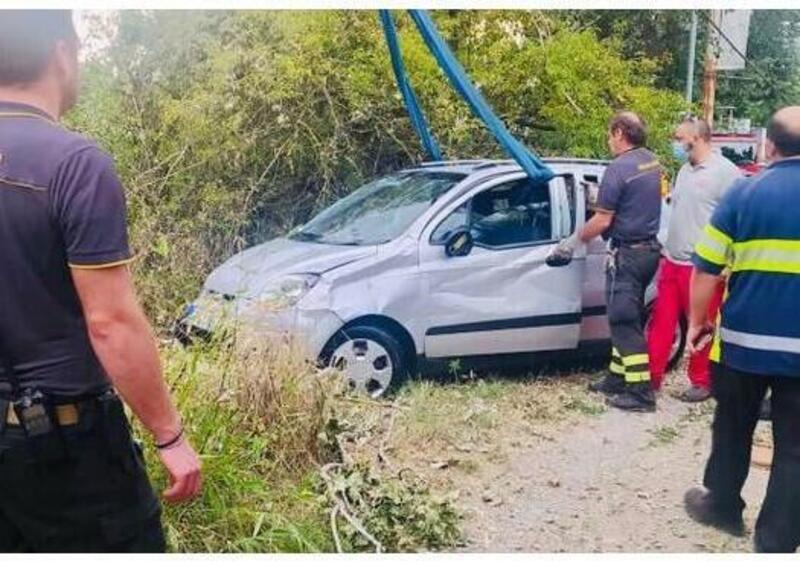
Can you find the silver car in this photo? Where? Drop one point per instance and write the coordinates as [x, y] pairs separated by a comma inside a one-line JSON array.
[[446, 260]]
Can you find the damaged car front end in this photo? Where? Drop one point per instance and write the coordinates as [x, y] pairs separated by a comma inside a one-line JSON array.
[[319, 280]]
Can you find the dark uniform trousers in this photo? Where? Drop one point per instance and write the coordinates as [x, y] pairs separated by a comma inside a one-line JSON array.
[[629, 272], [739, 397], [94, 496]]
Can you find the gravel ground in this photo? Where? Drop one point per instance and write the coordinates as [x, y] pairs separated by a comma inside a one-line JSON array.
[[612, 482]]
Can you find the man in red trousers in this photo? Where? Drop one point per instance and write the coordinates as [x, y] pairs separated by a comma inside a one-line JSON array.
[[701, 182]]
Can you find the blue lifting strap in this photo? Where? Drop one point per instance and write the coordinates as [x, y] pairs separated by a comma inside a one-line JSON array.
[[529, 162], [412, 104]]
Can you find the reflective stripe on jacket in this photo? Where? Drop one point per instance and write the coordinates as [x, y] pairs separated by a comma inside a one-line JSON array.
[[755, 233]]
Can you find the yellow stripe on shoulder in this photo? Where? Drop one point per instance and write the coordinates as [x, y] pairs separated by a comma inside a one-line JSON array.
[[24, 115], [649, 165], [100, 266]]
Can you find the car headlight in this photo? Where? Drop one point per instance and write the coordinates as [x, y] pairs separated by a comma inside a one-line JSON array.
[[286, 291]]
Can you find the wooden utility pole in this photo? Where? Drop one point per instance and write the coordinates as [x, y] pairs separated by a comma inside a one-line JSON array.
[[710, 70]]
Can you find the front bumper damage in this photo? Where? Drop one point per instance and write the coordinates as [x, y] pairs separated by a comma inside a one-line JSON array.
[[213, 312]]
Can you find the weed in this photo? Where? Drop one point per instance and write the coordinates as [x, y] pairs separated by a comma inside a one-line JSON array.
[[258, 469], [663, 435], [450, 414], [583, 404]]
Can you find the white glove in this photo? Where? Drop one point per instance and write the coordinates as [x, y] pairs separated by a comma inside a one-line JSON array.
[[569, 244], [563, 251]]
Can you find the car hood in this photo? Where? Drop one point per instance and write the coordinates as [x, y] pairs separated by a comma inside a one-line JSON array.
[[246, 273]]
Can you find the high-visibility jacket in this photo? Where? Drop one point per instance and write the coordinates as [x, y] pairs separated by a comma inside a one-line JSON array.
[[755, 233]]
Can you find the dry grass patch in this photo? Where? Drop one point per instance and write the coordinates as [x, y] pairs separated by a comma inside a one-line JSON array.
[[431, 426]]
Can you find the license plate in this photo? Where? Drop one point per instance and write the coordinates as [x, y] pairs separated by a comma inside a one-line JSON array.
[[210, 310]]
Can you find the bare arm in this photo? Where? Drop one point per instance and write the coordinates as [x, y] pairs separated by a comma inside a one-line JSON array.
[[703, 288], [89, 208], [123, 341], [596, 226]]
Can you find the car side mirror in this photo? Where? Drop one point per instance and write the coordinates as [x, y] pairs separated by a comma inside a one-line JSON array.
[[459, 243]]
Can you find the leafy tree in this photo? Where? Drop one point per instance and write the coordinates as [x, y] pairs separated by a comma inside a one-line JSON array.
[[771, 78], [661, 35]]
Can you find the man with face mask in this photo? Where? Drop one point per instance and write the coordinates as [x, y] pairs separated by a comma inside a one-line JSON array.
[[699, 186], [72, 334]]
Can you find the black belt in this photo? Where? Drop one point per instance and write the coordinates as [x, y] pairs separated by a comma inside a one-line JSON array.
[[649, 242], [59, 399], [67, 411], [66, 414]]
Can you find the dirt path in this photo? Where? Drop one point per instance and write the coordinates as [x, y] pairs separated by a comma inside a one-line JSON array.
[[608, 482]]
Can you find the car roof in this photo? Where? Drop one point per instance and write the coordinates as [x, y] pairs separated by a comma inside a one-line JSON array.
[[469, 167]]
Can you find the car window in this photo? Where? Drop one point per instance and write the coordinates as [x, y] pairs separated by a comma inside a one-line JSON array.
[[457, 219], [379, 211], [514, 213]]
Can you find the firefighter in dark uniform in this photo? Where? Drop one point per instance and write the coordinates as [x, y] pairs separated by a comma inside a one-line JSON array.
[[72, 335], [628, 216]]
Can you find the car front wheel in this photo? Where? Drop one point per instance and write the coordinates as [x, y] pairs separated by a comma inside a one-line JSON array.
[[371, 360]]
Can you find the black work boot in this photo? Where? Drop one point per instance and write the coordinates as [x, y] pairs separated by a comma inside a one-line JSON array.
[[609, 384], [635, 397], [700, 506]]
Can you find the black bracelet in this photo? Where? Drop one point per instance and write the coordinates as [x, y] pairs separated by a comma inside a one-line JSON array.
[[172, 442]]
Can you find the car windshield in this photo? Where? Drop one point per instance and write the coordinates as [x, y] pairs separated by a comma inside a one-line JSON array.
[[379, 211]]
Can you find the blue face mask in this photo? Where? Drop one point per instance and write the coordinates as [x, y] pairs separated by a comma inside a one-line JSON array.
[[680, 152]]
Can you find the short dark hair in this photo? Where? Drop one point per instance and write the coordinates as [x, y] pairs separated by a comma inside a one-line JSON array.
[[785, 138], [27, 39], [631, 126], [699, 126]]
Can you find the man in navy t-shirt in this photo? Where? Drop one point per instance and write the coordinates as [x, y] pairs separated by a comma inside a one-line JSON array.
[[71, 332], [628, 215]]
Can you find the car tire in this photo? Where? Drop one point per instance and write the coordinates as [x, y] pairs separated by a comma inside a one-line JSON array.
[[678, 351], [374, 348]]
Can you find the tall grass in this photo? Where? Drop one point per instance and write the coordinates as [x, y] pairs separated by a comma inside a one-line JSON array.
[[256, 418], [266, 424], [285, 399]]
